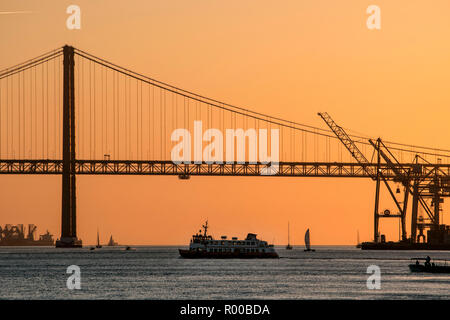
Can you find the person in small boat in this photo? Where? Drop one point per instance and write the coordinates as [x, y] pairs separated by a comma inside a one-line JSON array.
[[417, 262], [427, 262]]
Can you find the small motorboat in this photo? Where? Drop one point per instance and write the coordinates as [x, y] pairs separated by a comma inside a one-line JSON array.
[[308, 242], [430, 266]]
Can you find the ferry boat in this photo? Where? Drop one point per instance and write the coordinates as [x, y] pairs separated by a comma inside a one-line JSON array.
[[205, 246]]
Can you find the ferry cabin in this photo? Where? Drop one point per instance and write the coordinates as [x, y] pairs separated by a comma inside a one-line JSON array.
[[250, 245]]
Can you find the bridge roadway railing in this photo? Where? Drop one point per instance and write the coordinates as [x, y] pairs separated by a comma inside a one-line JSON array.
[[285, 169]]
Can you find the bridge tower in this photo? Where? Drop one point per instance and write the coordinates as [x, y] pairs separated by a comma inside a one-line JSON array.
[[68, 237]]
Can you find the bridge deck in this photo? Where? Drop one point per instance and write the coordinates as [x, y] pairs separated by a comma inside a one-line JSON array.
[[286, 169]]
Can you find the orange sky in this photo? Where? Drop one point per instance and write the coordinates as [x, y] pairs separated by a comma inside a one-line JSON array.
[[285, 58]]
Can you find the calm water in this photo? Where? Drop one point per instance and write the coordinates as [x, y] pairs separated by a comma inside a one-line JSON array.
[[158, 273]]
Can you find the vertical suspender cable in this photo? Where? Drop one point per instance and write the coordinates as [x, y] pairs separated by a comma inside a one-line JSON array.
[[43, 113], [1, 127], [7, 117], [141, 123], [188, 119], [148, 114], [125, 119], [90, 111], [102, 118], [118, 115], [59, 108], [47, 110], [137, 119], [78, 100], [54, 108], [160, 123], [114, 114], [35, 113], [94, 119], [82, 109], [31, 113], [106, 111], [164, 123], [19, 113], [153, 123], [128, 120], [23, 151], [130, 115]]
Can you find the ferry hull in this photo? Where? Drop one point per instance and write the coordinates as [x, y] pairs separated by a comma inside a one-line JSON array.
[[193, 254]]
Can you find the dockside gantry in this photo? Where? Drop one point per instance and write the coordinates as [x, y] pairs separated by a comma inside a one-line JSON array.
[[427, 191]]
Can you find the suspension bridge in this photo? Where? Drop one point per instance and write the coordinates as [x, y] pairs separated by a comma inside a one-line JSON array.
[[68, 112]]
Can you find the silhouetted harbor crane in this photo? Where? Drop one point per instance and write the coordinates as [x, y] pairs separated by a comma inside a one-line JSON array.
[[433, 188]]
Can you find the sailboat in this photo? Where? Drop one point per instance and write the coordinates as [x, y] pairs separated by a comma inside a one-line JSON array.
[[98, 241], [111, 242], [288, 247], [358, 244], [307, 242]]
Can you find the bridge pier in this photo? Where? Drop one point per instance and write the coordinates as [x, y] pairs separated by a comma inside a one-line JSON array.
[[68, 237]]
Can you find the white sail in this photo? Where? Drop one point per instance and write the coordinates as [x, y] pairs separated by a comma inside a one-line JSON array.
[[307, 241]]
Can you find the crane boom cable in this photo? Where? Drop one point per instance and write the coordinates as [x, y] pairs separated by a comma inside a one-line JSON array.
[[347, 142]]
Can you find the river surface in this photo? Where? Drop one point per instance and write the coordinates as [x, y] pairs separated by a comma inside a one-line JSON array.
[[150, 272]]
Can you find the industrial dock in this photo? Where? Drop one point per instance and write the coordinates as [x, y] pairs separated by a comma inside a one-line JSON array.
[[14, 235], [420, 183]]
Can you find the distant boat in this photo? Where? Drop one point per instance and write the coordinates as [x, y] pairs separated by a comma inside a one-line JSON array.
[[358, 243], [308, 242], [431, 266], [288, 247], [98, 241], [112, 243], [204, 246]]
